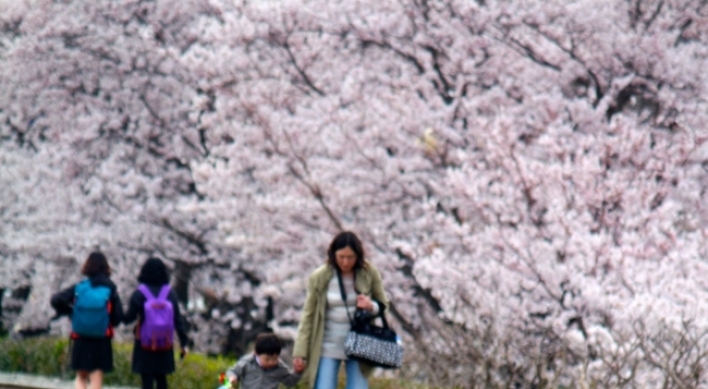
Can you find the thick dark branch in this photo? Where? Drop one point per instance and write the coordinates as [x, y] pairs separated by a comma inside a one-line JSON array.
[[408, 57], [426, 294], [444, 88], [192, 239], [653, 17], [314, 189], [22, 140], [405, 324], [300, 71], [599, 94], [680, 38], [525, 49], [571, 53], [203, 142], [528, 261], [526, 187], [317, 193], [152, 111]]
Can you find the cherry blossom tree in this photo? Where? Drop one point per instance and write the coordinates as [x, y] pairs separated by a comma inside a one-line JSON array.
[[528, 176], [101, 140]]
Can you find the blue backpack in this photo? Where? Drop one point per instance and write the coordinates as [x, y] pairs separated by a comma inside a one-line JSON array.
[[91, 310]]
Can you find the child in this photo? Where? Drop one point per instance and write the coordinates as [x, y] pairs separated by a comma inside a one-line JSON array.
[[95, 308], [153, 356], [263, 369]]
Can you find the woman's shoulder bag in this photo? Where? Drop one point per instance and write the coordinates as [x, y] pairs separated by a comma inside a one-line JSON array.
[[368, 343]]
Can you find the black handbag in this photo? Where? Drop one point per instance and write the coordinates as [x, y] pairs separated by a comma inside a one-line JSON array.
[[366, 342]]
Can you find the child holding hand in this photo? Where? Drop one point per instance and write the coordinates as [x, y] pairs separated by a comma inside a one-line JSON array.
[[263, 369]]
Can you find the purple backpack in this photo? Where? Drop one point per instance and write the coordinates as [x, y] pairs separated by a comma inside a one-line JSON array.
[[157, 328]]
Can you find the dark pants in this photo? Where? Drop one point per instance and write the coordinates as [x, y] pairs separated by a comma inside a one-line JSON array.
[[161, 380]]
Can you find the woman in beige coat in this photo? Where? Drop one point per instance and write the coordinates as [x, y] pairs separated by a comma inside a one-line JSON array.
[[319, 347]]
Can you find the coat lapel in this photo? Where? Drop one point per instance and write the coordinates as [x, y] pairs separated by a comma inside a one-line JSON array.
[[363, 282]]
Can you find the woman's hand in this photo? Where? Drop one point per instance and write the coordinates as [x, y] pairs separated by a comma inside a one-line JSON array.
[[299, 365], [363, 302]]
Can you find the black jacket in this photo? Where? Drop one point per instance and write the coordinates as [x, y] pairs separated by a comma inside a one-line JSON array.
[[63, 301]]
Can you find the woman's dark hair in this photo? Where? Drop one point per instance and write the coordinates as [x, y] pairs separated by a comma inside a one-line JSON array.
[[268, 343], [154, 272], [343, 240], [96, 264]]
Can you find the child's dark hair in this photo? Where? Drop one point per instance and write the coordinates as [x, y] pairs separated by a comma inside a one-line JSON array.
[[154, 272], [268, 344], [96, 264]]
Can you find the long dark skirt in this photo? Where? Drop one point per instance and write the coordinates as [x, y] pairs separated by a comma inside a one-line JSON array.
[[152, 362], [90, 354]]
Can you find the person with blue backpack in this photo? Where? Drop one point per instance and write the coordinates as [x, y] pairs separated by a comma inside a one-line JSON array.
[[155, 306], [95, 308]]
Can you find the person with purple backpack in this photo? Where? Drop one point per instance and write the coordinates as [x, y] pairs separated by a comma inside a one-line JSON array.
[[155, 306]]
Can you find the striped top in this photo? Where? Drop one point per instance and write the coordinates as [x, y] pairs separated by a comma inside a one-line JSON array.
[[336, 320]]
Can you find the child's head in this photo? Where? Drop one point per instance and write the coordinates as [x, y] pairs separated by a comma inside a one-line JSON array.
[[268, 347], [96, 264]]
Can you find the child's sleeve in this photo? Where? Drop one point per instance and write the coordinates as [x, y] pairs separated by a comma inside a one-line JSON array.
[[63, 301], [116, 308], [135, 306], [236, 370], [286, 377]]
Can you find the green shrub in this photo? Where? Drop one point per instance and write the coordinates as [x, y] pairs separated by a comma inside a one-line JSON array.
[[197, 371], [43, 356], [50, 357]]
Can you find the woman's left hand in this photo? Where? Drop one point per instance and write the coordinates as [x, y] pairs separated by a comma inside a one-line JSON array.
[[363, 302]]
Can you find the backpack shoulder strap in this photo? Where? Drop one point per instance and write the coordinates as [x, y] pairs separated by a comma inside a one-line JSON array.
[[82, 284], [146, 292], [164, 292]]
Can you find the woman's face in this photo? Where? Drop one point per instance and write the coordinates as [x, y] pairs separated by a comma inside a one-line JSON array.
[[346, 259]]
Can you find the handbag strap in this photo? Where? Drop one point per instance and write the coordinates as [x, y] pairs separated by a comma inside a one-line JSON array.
[[344, 298], [344, 292]]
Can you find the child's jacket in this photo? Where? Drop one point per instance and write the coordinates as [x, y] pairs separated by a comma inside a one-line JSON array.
[[251, 376]]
